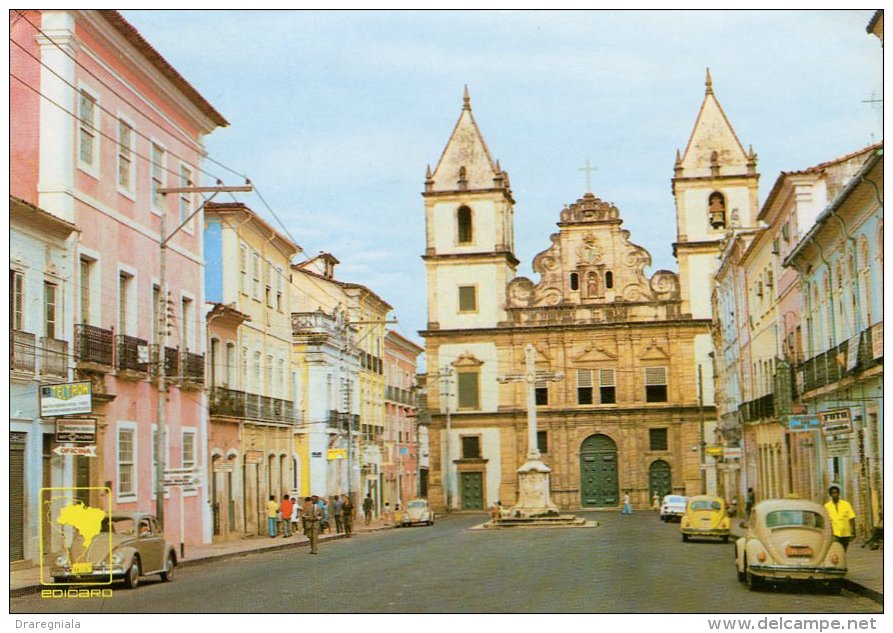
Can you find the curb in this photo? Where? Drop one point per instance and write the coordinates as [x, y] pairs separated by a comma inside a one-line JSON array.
[[862, 590]]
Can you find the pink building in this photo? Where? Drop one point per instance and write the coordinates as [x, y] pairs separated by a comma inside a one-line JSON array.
[[100, 122], [401, 438]]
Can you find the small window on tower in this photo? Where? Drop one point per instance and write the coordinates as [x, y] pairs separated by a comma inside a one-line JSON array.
[[467, 299], [575, 281], [609, 279], [716, 210], [463, 221]]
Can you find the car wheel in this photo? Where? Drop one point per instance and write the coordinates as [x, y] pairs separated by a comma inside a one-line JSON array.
[[742, 576], [132, 578], [725, 539], [685, 538], [168, 574]]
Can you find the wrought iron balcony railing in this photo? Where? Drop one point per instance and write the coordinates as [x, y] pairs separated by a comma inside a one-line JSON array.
[[22, 347], [193, 366], [238, 404], [133, 354], [94, 344]]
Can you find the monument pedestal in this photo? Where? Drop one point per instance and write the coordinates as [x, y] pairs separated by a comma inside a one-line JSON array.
[[533, 490]]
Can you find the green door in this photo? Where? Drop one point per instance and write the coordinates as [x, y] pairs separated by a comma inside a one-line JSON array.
[[659, 479], [598, 472], [472, 488]]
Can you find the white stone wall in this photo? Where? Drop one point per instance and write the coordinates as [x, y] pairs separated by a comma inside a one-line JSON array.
[[486, 353], [487, 229], [490, 289], [489, 451]]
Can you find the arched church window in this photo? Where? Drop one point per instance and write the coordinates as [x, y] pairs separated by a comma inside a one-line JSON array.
[[716, 210], [609, 279], [575, 281], [463, 220]]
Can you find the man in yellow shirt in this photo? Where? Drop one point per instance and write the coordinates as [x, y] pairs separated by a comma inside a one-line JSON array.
[[843, 519], [273, 516]]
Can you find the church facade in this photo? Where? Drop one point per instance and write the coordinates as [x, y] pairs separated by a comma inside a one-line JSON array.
[[625, 403]]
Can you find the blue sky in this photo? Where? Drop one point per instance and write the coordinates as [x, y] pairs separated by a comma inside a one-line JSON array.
[[335, 115]]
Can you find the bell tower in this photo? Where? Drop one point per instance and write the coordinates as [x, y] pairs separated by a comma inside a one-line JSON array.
[[715, 186], [469, 235]]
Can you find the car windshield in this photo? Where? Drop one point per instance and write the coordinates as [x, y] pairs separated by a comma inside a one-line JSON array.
[[119, 525], [417, 504], [794, 518], [705, 504], [674, 500]]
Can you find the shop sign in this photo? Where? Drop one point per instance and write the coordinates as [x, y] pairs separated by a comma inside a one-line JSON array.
[[836, 421], [224, 466], [837, 448], [79, 451], [877, 340], [76, 430], [254, 457], [316, 454], [70, 398], [337, 453], [731, 452], [797, 423], [716, 451]]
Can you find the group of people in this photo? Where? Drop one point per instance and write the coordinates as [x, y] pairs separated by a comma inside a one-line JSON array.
[[315, 516]]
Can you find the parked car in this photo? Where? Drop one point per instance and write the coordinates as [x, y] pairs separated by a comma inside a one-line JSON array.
[[129, 545], [418, 511], [705, 517], [789, 539], [672, 507]]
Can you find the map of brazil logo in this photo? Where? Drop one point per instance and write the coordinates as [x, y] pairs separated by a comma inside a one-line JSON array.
[[75, 538]]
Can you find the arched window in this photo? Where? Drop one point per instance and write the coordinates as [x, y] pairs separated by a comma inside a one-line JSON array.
[[609, 279], [575, 281], [215, 358], [464, 225], [716, 210]]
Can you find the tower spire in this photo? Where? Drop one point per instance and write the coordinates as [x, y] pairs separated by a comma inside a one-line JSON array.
[[709, 82], [466, 99]]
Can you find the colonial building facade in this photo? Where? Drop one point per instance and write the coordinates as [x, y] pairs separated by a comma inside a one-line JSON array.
[[626, 406]]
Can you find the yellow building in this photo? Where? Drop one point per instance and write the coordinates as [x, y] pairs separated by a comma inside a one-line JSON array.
[[252, 412], [630, 410]]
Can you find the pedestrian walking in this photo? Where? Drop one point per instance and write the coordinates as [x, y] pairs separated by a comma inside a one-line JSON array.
[[285, 509], [843, 519], [496, 511], [310, 517], [324, 516], [337, 507], [749, 502], [367, 509], [655, 502], [347, 515], [295, 514], [627, 508], [273, 516], [388, 517]]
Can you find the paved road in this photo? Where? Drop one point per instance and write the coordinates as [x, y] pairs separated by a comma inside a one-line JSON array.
[[634, 564]]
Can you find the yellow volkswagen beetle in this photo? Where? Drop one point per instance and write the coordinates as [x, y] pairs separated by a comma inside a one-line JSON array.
[[706, 517]]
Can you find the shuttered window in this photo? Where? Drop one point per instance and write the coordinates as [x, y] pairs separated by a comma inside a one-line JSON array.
[[16, 300], [655, 384], [607, 393], [467, 299], [541, 390], [243, 268], [471, 447], [87, 128], [584, 386], [467, 382], [657, 439], [126, 439]]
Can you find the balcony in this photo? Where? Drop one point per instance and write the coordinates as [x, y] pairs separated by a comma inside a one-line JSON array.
[[249, 406], [94, 345], [193, 366], [53, 358], [22, 346], [319, 327], [761, 408], [342, 421], [830, 366], [133, 355]]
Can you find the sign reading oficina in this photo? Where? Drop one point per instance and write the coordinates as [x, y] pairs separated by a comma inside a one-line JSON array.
[[69, 398]]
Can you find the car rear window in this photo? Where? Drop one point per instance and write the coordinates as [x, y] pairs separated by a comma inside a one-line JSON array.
[[417, 504], [706, 504], [794, 518]]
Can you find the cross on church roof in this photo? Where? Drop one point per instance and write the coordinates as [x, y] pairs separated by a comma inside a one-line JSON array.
[[588, 169]]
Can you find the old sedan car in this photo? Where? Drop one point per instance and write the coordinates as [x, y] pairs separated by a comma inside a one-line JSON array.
[[705, 517], [789, 539], [672, 508], [418, 511], [128, 546]]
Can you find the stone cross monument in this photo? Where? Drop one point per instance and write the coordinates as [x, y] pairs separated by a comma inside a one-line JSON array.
[[533, 476]]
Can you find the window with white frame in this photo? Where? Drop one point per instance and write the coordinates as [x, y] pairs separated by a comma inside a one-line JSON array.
[[126, 462], [279, 284], [256, 274], [243, 268], [158, 157], [16, 300], [86, 271], [584, 386], [258, 359], [185, 197], [230, 365], [655, 384], [50, 298], [125, 156], [126, 314], [244, 373], [283, 388], [87, 129], [268, 376], [187, 458], [607, 386], [268, 284], [187, 315]]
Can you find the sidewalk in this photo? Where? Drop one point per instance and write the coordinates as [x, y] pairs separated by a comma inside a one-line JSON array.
[[865, 568], [24, 581]]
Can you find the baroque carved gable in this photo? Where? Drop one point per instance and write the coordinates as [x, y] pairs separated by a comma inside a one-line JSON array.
[[594, 352], [654, 351]]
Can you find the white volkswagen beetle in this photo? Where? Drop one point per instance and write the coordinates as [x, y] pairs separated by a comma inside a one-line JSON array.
[[418, 511]]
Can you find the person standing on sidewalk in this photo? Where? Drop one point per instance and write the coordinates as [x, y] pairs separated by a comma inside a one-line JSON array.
[[749, 502], [347, 515], [843, 519], [310, 516], [295, 514], [367, 509], [337, 508], [273, 516], [285, 510], [387, 513], [627, 508]]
